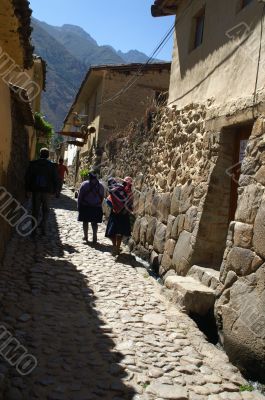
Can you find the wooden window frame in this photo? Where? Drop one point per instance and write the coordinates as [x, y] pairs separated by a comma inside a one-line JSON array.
[[198, 19]]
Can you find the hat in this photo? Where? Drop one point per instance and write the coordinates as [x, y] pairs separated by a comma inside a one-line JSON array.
[[128, 180]]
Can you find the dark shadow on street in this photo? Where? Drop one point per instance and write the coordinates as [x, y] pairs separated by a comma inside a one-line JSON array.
[[63, 330]]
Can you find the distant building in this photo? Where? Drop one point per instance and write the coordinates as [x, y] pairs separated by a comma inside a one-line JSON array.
[[110, 97]]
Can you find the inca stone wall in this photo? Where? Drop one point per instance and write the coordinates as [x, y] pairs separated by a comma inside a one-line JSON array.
[[182, 199], [171, 165], [241, 307]]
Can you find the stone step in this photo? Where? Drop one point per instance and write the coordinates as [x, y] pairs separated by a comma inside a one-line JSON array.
[[190, 294], [207, 276]]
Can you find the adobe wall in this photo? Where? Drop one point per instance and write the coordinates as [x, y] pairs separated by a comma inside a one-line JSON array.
[[14, 151], [227, 60], [5, 151]]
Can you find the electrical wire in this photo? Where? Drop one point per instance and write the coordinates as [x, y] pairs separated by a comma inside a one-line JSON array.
[[157, 50], [142, 67]]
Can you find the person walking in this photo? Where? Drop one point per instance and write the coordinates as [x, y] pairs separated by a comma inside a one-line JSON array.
[[41, 182], [90, 199], [62, 170], [119, 221]]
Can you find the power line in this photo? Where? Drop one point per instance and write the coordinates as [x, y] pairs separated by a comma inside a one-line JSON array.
[[157, 50], [133, 80]]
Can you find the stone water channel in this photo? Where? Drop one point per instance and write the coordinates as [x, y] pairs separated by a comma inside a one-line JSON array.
[[99, 326]]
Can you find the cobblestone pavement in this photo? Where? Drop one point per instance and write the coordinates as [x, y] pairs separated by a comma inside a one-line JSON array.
[[99, 327]]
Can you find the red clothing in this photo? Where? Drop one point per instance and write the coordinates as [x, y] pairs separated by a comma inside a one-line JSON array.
[[62, 169]]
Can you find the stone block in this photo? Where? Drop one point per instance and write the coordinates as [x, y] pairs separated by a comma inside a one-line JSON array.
[[151, 229], [160, 237], [171, 177], [170, 222], [166, 262], [164, 207], [191, 294], [243, 319], [149, 201], [248, 203], [155, 203], [143, 230], [178, 226], [190, 219], [243, 235], [175, 201], [182, 253], [260, 175], [259, 231], [186, 197], [170, 246], [141, 206], [136, 230], [163, 391], [258, 128], [240, 260], [207, 276]]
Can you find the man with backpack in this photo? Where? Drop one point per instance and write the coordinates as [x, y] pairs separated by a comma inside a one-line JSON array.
[[41, 181]]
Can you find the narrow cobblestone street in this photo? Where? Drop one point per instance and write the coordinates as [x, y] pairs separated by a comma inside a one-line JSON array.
[[99, 326]]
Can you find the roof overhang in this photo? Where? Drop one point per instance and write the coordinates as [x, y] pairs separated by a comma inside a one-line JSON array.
[[163, 8], [15, 32]]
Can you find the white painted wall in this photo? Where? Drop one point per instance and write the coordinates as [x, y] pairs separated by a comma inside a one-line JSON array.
[[225, 65]]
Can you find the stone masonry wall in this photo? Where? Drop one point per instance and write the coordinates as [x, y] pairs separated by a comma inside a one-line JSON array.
[[182, 200], [241, 307], [171, 165]]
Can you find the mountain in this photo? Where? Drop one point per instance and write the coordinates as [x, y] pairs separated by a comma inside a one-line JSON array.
[[69, 51], [133, 56]]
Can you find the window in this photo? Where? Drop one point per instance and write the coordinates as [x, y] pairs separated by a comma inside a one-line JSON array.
[[199, 28], [245, 3]]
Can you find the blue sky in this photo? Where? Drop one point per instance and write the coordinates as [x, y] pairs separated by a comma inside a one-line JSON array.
[[123, 24]]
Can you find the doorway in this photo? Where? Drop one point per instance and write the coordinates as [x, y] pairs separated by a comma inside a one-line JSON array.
[[221, 200]]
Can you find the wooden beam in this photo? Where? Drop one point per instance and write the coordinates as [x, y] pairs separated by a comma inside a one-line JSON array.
[[75, 143], [78, 135]]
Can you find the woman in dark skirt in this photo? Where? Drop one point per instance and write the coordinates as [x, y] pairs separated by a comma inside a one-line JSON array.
[[90, 198], [119, 224]]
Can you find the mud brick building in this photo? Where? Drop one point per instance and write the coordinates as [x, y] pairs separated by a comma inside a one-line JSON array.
[[200, 193], [97, 102]]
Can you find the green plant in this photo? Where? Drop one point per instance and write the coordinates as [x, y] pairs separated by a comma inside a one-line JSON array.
[[43, 126], [246, 388], [84, 173]]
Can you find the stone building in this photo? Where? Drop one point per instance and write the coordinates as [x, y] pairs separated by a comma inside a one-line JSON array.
[[97, 105], [200, 196], [22, 80]]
